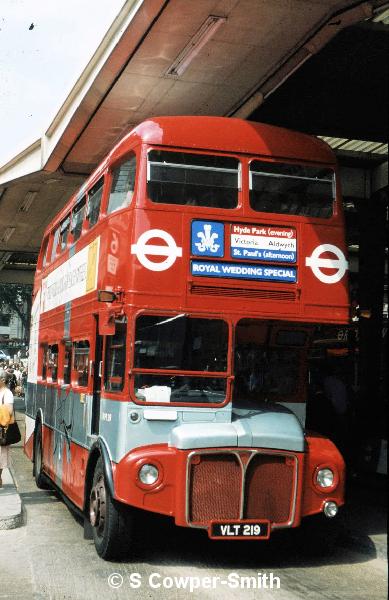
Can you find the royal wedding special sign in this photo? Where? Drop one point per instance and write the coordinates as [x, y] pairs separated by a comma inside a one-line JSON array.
[[265, 243], [243, 271]]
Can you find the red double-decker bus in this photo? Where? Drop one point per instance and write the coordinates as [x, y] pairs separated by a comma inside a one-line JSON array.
[[174, 302]]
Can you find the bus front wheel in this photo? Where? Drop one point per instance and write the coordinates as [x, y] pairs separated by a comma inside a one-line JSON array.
[[111, 521]]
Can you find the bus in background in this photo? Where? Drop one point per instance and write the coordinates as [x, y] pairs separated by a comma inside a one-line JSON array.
[[174, 302]]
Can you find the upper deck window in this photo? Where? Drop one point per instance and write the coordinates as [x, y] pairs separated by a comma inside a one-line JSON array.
[[77, 219], [64, 233], [45, 251], [60, 239], [94, 201], [123, 185], [54, 248], [292, 189], [193, 179]]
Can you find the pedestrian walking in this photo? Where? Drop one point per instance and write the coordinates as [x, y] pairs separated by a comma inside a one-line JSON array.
[[11, 378], [17, 373], [6, 419]]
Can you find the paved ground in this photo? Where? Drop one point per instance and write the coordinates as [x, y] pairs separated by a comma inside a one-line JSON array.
[[47, 558], [11, 515]]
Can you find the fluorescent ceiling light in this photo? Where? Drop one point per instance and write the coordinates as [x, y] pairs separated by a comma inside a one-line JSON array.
[[55, 179], [28, 200], [381, 16], [7, 234], [355, 145], [198, 41], [4, 259]]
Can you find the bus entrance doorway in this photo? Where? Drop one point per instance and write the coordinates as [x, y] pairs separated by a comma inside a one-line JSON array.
[[97, 371]]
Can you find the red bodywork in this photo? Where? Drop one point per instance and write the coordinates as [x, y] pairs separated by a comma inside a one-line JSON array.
[[176, 290], [308, 300], [168, 495]]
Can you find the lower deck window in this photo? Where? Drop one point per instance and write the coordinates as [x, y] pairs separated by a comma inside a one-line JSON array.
[[81, 363], [44, 350], [53, 362], [115, 358], [67, 363]]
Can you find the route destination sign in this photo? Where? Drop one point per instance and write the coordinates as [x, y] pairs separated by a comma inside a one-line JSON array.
[[264, 242]]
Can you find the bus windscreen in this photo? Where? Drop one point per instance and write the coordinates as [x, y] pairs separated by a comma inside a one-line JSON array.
[[180, 343]]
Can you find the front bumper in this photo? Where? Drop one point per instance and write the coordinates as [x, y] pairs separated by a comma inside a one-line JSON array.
[[201, 486]]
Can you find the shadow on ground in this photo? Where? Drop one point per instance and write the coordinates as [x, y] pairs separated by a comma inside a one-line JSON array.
[[317, 542]]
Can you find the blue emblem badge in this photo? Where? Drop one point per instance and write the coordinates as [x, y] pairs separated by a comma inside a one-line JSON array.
[[207, 238]]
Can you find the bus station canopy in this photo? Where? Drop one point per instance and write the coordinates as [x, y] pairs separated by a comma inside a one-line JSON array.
[[163, 57]]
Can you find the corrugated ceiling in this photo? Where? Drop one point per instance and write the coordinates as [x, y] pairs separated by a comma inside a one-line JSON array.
[[355, 145]]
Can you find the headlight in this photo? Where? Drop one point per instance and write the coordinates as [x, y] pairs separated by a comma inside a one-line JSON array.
[[325, 478], [148, 474]]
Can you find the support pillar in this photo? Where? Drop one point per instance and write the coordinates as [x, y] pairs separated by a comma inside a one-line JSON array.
[[373, 229]]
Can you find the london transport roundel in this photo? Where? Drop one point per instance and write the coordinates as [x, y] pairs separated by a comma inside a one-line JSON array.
[[169, 250], [317, 263]]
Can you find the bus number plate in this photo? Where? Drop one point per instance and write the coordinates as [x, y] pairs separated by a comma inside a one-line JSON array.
[[257, 530]]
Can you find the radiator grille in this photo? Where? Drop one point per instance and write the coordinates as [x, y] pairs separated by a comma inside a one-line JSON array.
[[269, 488], [215, 484], [205, 290]]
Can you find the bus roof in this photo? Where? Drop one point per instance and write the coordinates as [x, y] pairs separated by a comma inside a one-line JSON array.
[[213, 133], [230, 135]]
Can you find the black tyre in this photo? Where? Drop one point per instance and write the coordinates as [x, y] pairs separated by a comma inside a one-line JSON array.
[[112, 522], [40, 479]]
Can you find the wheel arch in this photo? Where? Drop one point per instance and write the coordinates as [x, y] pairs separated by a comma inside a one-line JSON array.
[[97, 450]]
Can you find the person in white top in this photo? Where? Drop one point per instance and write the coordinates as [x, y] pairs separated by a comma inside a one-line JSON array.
[[18, 374], [6, 417]]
